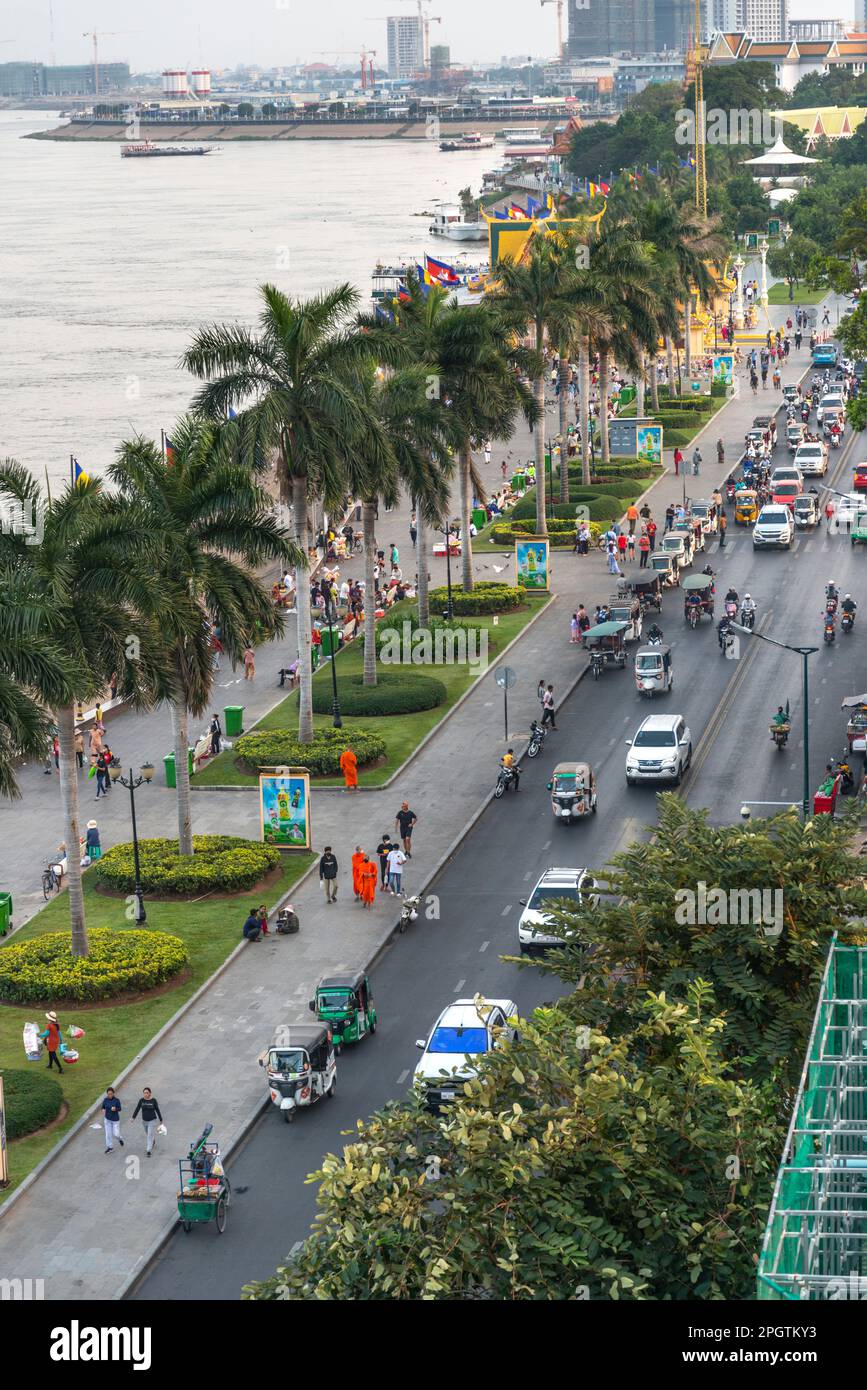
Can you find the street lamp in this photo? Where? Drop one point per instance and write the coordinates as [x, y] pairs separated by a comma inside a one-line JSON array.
[[335, 706], [147, 771], [804, 653], [447, 532]]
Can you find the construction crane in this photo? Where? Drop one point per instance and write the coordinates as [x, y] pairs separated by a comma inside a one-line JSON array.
[[96, 35], [700, 162], [426, 21], [561, 38], [368, 73]]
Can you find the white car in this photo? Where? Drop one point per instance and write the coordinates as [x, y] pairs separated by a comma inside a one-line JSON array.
[[661, 750], [812, 459], [831, 404], [774, 527], [576, 885], [787, 473], [463, 1033]]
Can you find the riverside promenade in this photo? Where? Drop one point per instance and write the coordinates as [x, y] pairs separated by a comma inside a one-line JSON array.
[[88, 1223]]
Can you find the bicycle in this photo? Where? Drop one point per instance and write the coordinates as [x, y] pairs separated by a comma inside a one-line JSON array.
[[50, 880]]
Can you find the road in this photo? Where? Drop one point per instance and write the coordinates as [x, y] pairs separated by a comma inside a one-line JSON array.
[[727, 705]]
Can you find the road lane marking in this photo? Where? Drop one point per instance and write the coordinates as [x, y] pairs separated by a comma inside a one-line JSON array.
[[484, 946], [702, 749], [459, 986], [528, 874], [508, 908], [547, 844], [400, 1081]]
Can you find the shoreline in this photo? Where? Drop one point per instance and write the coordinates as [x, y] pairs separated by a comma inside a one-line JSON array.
[[233, 132]]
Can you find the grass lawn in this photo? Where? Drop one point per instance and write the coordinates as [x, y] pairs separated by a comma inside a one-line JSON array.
[[402, 732], [779, 294], [114, 1034]]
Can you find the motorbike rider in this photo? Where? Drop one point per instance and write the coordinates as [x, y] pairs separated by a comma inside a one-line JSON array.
[[748, 607], [849, 606], [507, 762], [831, 596], [732, 597], [654, 633], [781, 718], [724, 632]]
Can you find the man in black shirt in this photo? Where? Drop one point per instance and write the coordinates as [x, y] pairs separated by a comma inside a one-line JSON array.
[[382, 849], [150, 1114], [404, 821], [328, 874]]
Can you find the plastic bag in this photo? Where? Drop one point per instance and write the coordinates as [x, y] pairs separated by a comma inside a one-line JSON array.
[[161, 1129], [32, 1042], [68, 1054], [74, 1031]]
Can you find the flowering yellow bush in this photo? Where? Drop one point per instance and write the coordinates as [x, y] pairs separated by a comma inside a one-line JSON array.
[[219, 862], [44, 970]]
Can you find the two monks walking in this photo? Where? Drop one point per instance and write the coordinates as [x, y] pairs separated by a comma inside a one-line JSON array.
[[364, 876]]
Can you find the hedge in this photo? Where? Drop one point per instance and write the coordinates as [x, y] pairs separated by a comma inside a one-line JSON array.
[[44, 969], [486, 597], [559, 538], [222, 863], [395, 692], [273, 747], [33, 1099], [683, 420]]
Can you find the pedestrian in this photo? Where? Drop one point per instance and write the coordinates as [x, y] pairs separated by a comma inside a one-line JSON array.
[[405, 820], [252, 928], [723, 526], [328, 874], [678, 460], [631, 545], [613, 567], [548, 707], [396, 861], [413, 529], [262, 914], [112, 685], [149, 1108], [651, 533], [55, 751], [53, 1038], [102, 777], [383, 849], [754, 381], [367, 879], [798, 339], [78, 742], [826, 317], [249, 663], [111, 1108], [584, 539], [669, 516], [216, 732], [92, 845], [487, 447], [574, 629], [583, 618], [643, 549], [394, 555], [621, 546], [720, 453], [504, 468], [764, 376], [357, 861], [632, 518], [775, 379], [349, 768], [540, 691], [696, 461]]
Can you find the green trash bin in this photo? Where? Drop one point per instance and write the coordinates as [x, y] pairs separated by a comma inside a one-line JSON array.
[[169, 765], [5, 913], [329, 647], [519, 482], [233, 716], [480, 517]]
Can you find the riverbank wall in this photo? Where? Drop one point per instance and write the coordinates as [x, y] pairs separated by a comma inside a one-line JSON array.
[[237, 132]]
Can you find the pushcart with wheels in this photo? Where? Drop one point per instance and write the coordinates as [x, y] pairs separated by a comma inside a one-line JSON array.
[[204, 1190]]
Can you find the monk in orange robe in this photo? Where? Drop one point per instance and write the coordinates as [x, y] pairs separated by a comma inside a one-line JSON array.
[[368, 876], [349, 768], [357, 861]]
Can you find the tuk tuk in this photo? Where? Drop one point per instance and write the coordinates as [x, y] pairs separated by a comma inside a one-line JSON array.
[[606, 643], [769, 423], [653, 670], [345, 1003], [806, 510], [666, 566], [856, 729], [648, 590], [678, 544], [794, 436], [706, 513], [573, 791], [300, 1066], [746, 507], [626, 609], [697, 598], [790, 393]]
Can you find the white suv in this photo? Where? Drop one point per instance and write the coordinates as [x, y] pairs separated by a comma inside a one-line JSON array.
[[660, 751], [830, 404], [774, 527], [576, 885], [812, 459]]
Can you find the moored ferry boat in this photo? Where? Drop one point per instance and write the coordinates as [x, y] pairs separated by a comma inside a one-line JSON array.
[[472, 140], [144, 149]]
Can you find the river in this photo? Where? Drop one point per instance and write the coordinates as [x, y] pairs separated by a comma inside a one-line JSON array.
[[107, 265]]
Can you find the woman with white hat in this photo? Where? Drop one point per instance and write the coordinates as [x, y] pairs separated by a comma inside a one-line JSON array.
[[92, 848], [53, 1039]]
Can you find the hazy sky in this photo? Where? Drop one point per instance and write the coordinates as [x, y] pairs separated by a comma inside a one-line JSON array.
[[220, 33]]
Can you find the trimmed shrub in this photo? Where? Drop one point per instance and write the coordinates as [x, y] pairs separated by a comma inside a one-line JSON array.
[[486, 598], [606, 508], [219, 863], [395, 692], [274, 747], [45, 969], [385, 630], [33, 1099]]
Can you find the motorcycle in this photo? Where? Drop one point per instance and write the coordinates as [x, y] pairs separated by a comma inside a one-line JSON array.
[[830, 602], [408, 913], [780, 734], [841, 768], [847, 622], [654, 636], [730, 491], [505, 779], [830, 625], [805, 413], [748, 617], [731, 609], [724, 637], [835, 439], [537, 738]]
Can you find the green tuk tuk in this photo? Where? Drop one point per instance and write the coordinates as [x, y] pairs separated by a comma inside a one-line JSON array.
[[345, 1002]]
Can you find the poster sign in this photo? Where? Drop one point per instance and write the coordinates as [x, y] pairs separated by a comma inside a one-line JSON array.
[[773, 226], [724, 368], [531, 563], [649, 443], [284, 808]]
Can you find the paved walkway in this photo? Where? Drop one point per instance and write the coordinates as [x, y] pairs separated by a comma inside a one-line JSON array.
[[203, 1066]]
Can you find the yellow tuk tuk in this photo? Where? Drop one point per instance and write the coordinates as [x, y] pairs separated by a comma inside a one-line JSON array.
[[746, 507]]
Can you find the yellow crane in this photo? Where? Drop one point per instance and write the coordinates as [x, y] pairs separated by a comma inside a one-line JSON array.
[[96, 35], [700, 162], [561, 38]]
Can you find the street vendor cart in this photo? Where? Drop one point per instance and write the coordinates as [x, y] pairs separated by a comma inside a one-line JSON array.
[[204, 1190]]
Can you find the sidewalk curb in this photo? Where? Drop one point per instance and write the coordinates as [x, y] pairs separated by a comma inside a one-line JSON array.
[[428, 736]]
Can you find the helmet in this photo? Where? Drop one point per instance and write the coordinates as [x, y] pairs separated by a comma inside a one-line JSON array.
[[746, 596], [848, 595]]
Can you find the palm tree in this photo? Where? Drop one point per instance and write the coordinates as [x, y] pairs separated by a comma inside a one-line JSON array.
[[35, 674], [216, 526], [296, 382], [93, 588]]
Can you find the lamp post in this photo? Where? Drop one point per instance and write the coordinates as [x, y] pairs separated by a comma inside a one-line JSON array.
[[147, 772], [449, 613], [740, 265], [804, 653], [763, 290], [335, 705]]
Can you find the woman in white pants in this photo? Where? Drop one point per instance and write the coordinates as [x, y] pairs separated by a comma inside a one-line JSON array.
[[111, 1108]]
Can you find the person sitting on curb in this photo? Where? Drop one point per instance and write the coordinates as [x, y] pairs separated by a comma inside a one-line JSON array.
[[252, 926]]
